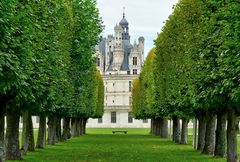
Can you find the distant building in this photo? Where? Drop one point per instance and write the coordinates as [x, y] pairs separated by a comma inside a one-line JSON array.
[[119, 63]]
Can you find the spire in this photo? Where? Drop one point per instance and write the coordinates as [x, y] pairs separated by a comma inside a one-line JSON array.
[[123, 22]]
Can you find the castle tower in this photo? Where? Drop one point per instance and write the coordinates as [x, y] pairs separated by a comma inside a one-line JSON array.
[[118, 53], [123, 62], [141, 48], [124, 24]]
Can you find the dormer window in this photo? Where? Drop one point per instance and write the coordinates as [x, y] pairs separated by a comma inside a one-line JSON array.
[[134, 60]]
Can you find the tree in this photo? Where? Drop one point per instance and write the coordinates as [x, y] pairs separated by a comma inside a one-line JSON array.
[[197, 67], [37, 73], [86, 17], [137, 102], [98, 113], [219, 60]]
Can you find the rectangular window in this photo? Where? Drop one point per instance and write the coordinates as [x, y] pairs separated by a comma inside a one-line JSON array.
[[130, 119], [98, 61], [134, 60], [145, 120], [130, 86], [134, 71], [99, 120], [113, 117], [128, 72]]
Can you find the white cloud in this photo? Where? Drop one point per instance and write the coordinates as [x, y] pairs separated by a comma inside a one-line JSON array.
[[145, 17]]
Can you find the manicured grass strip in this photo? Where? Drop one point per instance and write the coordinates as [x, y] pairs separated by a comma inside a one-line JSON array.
[[136, 146]]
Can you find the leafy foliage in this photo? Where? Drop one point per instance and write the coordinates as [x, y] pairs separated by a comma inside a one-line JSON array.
[[46, 52], [196, 64]]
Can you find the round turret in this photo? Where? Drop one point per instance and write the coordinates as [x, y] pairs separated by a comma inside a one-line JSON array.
[[123, 22]]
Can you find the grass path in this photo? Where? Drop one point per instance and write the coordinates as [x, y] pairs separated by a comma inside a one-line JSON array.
[[99, 145]]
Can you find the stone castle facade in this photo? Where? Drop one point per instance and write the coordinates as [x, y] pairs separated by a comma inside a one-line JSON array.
[[119, 62]]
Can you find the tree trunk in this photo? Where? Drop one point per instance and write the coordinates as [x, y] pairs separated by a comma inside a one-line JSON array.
[[58, 129], [84, 125], [12, 136], [201, 129], [195, 122], [2, 127], [51, 130], [74, 127], [31, 143], [210, 133], [151, 129], [184, 132], [164, 129], [170, 136], [232, 152], [77, 120], [220, 147], [176, 130], [157, 127], [66, 129], [160, 120], [238, 129], [24, 146], [41, 132], [80, 127]]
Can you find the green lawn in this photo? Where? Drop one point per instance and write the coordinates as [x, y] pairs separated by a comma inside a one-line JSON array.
[[100, 145]]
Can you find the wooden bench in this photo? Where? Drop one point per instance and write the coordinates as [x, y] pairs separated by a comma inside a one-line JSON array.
[[119, 131]]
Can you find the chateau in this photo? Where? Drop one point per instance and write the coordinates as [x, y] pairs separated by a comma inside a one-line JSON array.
[[119, 63]]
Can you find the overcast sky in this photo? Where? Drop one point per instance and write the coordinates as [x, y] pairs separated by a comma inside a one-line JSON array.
[[145, 17]]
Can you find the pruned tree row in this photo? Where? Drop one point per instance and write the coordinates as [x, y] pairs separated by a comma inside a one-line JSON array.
[[194, 72], [47, 70]]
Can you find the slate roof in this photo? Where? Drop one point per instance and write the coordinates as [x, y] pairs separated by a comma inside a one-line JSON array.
[[127, 47]]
